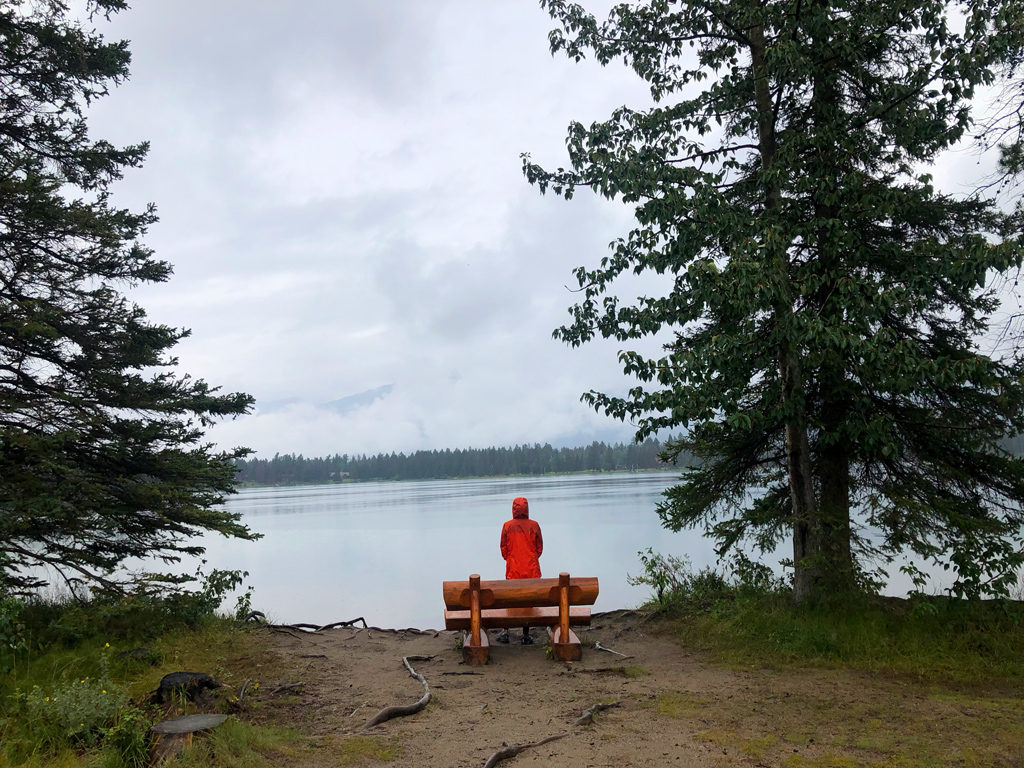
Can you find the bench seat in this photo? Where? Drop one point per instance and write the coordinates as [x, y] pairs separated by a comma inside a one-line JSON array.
[[501, 618], [558, 604]]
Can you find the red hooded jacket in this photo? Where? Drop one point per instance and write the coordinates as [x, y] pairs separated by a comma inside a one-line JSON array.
[[521, 543]]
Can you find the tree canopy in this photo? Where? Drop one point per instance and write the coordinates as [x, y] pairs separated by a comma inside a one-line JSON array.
[[827, 304], [102, 456]]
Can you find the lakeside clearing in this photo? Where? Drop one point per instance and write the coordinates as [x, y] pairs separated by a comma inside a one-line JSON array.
[[676, 706]]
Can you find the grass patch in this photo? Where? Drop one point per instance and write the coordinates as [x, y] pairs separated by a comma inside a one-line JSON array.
[[679, 705], [76, 692], [951, 640], [358, 749], [635, 671], [240, 745]]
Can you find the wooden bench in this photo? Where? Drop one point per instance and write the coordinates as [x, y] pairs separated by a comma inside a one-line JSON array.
[[476, 606]]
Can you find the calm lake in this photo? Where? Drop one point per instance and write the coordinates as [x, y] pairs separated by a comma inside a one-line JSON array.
[[381, 550]]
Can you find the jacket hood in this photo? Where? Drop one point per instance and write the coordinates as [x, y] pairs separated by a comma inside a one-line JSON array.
[[520, 508]]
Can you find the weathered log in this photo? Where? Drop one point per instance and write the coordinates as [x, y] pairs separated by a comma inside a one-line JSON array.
[[410, 709]]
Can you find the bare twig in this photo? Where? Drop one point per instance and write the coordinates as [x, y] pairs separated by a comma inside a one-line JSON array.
[[241, 693], [600, 647], [410, 709]]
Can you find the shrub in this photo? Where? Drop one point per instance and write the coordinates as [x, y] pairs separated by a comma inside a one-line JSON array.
[[126, 743], [73, 713]]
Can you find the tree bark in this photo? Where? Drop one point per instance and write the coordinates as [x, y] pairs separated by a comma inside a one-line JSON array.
[[806, 545]]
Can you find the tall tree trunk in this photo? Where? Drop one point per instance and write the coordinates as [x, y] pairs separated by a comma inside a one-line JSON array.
[[806, 523], [832, 468]]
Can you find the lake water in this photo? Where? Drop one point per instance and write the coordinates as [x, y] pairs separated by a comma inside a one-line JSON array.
[[381, 550]]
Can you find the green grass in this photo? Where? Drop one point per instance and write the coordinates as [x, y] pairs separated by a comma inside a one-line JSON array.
[[930, 638], [240, 745], [72, 697]]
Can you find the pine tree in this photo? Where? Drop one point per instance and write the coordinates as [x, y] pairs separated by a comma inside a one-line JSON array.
[[826, 302], [101, 446]]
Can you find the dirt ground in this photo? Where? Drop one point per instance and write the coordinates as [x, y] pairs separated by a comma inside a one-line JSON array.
[[674, 707]]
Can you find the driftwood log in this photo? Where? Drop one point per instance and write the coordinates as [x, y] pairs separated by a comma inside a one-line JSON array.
[[410, 709]]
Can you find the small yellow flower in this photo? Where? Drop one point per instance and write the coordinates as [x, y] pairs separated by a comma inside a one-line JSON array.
[[47, 698], [106, 645], [104, 691]]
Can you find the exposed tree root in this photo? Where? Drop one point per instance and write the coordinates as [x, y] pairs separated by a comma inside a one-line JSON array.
[[585, 719], [588, 714], [407, 630], [506, 752], [409, 709]]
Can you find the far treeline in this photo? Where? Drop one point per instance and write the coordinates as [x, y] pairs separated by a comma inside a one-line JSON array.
[[470, 462]]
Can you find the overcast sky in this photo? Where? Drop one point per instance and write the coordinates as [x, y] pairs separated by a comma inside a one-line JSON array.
[[340, 193]]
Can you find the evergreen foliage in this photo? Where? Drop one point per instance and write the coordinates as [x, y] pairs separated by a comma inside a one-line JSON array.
[[826, 301], [470, 462], [101, 447]]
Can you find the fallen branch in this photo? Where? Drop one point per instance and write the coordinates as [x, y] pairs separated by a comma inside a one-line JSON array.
[[286, 687], [587, 717], [506, 752], [241, 693], [409, 709]]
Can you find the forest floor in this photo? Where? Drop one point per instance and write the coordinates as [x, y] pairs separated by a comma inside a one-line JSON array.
[[674, 706]]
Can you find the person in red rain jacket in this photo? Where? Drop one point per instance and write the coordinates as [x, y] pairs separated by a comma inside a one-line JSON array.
[[521, 547]]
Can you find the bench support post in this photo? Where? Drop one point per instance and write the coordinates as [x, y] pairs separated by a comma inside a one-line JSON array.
[[475, 649], [565, 645]]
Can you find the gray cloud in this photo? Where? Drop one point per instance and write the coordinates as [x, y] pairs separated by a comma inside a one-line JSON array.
[[340, 192]]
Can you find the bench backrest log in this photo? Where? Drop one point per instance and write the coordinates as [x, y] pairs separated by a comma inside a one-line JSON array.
[[520, 593]]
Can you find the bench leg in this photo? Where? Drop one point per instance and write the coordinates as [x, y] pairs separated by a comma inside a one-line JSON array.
[[475, 655], [571, 650]]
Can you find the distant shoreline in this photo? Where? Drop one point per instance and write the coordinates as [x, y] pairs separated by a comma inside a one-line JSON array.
[[353, 481]]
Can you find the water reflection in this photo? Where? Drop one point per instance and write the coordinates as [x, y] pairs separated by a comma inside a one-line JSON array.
[[381, 550]]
